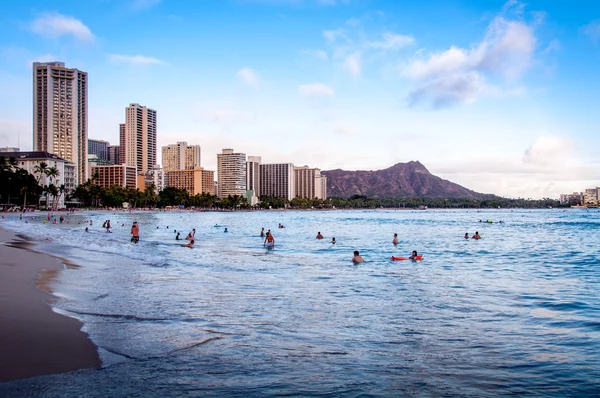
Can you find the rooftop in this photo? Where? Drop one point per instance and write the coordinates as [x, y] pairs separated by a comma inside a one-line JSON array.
[[41, 155]]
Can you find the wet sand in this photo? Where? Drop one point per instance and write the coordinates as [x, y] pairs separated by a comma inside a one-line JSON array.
[[34, 340]]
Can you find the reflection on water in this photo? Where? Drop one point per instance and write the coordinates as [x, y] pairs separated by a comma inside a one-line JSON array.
[[514, 313]]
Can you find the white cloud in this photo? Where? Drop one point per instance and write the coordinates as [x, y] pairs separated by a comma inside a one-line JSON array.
[[592, 30], [134, 60], [392, 42], [353, 64], [547, 151], [57, 25], [248, 77], [460, 75], [316, 90]]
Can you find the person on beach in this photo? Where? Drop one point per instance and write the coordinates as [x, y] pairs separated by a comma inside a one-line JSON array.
[[476, 236], [135, 232], [357, 258], [177, 237], [262, 232], [467, 235], [190, 244], [269, 242], [319, 236], [333, 240], [413, 255], [395, 240], [191, 235]]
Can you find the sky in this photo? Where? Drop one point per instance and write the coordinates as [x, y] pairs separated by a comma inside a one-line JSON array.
[[499, 96]]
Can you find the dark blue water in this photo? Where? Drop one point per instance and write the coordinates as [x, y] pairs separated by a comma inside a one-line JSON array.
[[515, 313]]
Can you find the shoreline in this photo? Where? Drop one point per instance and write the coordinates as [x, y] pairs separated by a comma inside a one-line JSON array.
[[34, 339]]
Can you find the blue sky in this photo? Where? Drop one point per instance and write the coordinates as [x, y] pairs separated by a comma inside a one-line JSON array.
[[501, 97]]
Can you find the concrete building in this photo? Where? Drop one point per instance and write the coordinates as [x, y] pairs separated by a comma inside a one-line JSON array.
[[591, 196], [116, 174], [253, 179], [60, 113], [309, 183], [180, 156], [66, 172], [573, 199], [114, 154], [98, 148], [277, 180], [231, 173], [208, 181], [138, 141], [9, 149], [154, 177], [190, 180]]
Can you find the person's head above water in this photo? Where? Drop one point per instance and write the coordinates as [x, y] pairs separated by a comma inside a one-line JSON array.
[[414, 252], [356, 253]]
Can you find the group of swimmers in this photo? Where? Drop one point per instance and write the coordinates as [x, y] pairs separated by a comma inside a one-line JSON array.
[[476, 236]]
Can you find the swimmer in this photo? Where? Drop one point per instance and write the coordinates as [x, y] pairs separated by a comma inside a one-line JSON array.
[[269, 242], [319, 236], [262, 232], [467, 235], [476, 236], [135, 232], [395, 241], [333, 240], [190, 244], [413, 256], [225, 230], [177, 237], [87, 229], [357, 258], [191, 235]]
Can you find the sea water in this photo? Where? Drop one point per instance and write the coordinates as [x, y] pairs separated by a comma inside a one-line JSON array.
[[515, 313]]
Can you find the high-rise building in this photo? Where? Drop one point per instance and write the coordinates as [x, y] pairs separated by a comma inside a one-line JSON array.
[[180, 156], [154, 177], [208, 181], [60, 113], [231, 173], [309, 183], [277, 180], [98, 148], [138, 141], [116, 174], [114, 154], [190, 180], [253, 178]]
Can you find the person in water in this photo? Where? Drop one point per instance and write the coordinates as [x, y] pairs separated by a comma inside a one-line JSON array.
[[333, 240], [87, 229], [191, 235], [190, 244], [135, 232], [357, 258], [319, 236], [395, 240], [177, 237], [476, 236], [269, 242], [262, 232], [413, 255], [225, 230], [467, 235]]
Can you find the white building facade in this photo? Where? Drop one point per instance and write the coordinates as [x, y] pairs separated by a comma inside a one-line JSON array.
[[231, 173], [277, 180]]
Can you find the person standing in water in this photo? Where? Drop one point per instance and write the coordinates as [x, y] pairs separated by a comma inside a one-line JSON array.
[[135, 232], [476, 236], [357, 258], [333, 240], [319, 236], [395, 240], [177, 237], [190, 244], [262, 232], [269, 242], [191, 235], [467, 235]]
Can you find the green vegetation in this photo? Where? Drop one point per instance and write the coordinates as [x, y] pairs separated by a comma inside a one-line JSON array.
[[17, 186]]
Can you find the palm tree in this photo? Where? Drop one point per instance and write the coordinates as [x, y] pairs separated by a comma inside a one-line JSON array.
[[61, 191], [52, 172], [52, 190], [40, 169]]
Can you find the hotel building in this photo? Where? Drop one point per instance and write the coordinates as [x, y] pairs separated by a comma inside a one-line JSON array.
[[231, 173], [180, 156], [60, 113], [310, 183], [114, 154], [122, 175], [208, 181], [138, 138], [98, 148], [277, 180], [253, 178]]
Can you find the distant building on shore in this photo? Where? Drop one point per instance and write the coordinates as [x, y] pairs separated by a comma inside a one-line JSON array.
[[591, 196], [118, 174], [98, 148], [253, 179], [60, 113], [9, 149], [277, 180], [231, 173], [138, 138], [154, 177], [309, 183], [180, 156], [194, 181], [66, 172], [573, 199]]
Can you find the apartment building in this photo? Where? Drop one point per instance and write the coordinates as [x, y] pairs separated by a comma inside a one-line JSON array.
[[180, 156], [277, 180], [231, 173], [60, 113], [309, 183], [98, 148], [138, 141], [253, 179], [118, 174]]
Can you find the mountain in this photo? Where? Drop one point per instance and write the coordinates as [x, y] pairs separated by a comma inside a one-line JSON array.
[[402, 180]]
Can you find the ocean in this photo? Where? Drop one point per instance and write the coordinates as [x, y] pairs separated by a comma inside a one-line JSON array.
[[515, 313]]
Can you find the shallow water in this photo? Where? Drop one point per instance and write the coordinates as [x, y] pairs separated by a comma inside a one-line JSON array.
[[517, 312]]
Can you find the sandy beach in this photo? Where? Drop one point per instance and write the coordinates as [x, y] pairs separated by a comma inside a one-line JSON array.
[[34, 340]]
